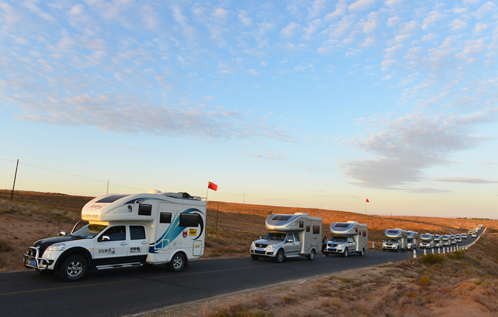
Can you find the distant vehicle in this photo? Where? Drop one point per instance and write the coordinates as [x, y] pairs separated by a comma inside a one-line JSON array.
[[124, 231], [437, 241], [464, 235], [412, 238], [426, 241], [446, 240], [474, 235], [396, 239], [289, 236], [347, 237], [453, 239], [458, 238]]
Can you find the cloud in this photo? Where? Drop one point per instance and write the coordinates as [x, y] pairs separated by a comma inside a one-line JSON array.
[[410, 144], [290, 29], [361, 5], [426, 190], [265, 156], [466, 180]]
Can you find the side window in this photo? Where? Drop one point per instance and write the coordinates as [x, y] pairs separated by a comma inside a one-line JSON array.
[[165, 217], [137, 232], [117, 233], [187, 220], [296, 237], [145, 210], [290, 236], [307, 228], [316, 229], [301, 224]]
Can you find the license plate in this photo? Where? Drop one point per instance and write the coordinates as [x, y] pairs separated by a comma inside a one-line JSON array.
[[260, 249], [32, 262]]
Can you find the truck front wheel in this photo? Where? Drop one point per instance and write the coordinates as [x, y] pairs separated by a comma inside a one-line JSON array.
[[279, 258], [345, 253], [177, 262], [73, 268]]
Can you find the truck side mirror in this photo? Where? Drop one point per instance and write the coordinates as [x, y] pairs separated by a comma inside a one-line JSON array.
[[105, 238], [62, 233], [290, 241]]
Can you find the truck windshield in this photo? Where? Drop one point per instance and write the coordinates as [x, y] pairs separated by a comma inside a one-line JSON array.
[[89, 231], [391, 240], [275, 236], [339, 239]]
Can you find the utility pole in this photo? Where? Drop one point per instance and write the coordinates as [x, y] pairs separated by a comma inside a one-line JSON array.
[[244, 197], [14, 185]]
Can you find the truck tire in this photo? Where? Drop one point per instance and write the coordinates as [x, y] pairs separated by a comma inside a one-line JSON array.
[[279, 258], [362, 252], [254, 257], [177, 262], [73, 268], [345, 253], [311, 257]]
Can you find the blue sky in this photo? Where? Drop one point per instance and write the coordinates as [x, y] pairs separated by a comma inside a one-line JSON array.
[[294, 103]]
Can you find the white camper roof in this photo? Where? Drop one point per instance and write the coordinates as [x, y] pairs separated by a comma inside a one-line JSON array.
[[346, 228], [412, 234], [121, 207], [286, 222], [396, 233], [426, 236], [437, 237]]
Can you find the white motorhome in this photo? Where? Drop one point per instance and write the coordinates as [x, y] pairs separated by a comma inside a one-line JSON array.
[[458, 238], [289, 236], [396, 239], [123, 231], [453, 239], [437, 241], [412, 238], [446, 240], [426, 241], [347, 237]]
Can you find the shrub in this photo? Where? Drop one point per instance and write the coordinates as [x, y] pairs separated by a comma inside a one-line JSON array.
[[425, 280], [4, 246], [432, 258]]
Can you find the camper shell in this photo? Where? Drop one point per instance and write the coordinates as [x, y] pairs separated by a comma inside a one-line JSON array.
[[446, 242], [412, 238], [289, 236], [426, 241], [396, 239], [347, 237], [437, 241], [126, 230]]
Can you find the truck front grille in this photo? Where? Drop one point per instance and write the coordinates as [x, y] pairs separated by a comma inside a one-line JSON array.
[[261, 245]]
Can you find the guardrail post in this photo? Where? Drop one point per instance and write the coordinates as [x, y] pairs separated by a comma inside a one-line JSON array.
[[438, 250], [443, 250], [425, 251], [373, 245], [414, 253]]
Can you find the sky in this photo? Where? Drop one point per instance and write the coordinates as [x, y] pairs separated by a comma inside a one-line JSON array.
[[319, 104]]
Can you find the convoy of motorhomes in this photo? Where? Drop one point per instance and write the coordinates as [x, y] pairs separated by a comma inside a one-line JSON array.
[[396, 239], [426, 241], [289, 236], [437, 241], [446, 242], [347, 237], [124, 231], [412, 238]]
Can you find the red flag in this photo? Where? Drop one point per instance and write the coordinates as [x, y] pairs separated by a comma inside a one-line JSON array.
[[368, 200], [212, 186]]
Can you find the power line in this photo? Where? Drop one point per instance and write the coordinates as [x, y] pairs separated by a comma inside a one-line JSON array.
[[74, 175]]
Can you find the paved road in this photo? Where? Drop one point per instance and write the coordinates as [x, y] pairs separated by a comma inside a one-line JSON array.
[[133, 290]]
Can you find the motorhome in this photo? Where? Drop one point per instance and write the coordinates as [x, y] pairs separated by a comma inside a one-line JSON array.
[[464, 235], [289, 236], [412, 238], [437, 241], [453, 239], [446, 242], [347, 237], [426, 241], [396, 240], [458, 238], [124, 231]]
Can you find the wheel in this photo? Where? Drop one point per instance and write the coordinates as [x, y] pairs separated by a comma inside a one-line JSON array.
[[73, 268], [279, 258], [254, 257], [345, 253], [384, 250], [177, 262], [362, 252], [311, 257]]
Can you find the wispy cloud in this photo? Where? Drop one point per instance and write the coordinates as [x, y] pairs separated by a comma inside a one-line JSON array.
[[467, 180]]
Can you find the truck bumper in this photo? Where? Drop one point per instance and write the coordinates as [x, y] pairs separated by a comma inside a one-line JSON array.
[[266, 252], [32, 260]]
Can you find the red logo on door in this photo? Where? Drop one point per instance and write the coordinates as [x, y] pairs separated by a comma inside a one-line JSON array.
[[184, 234]]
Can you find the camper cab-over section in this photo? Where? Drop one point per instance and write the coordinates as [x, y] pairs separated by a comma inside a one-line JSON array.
[[289, 236], [396, 239], [347, 237], [126, 230]]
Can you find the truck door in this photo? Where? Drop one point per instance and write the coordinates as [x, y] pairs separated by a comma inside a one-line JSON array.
[[351, 244], [291, 247], [139, 244], [111, 246]]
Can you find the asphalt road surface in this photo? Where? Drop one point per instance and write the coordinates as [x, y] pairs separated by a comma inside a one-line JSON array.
[[133, 290]]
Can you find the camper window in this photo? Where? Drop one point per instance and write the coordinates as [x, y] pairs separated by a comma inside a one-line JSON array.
[[145, 210], [316, 229], [117, 233], [187, 220], [110, 199], [307, 228], [364, 233], [301, 224], [137, 232], [280, 218], [165, 217]]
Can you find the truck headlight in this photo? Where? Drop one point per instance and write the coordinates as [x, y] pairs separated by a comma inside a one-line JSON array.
[[253, 244], [271, 245], [57, 247]]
